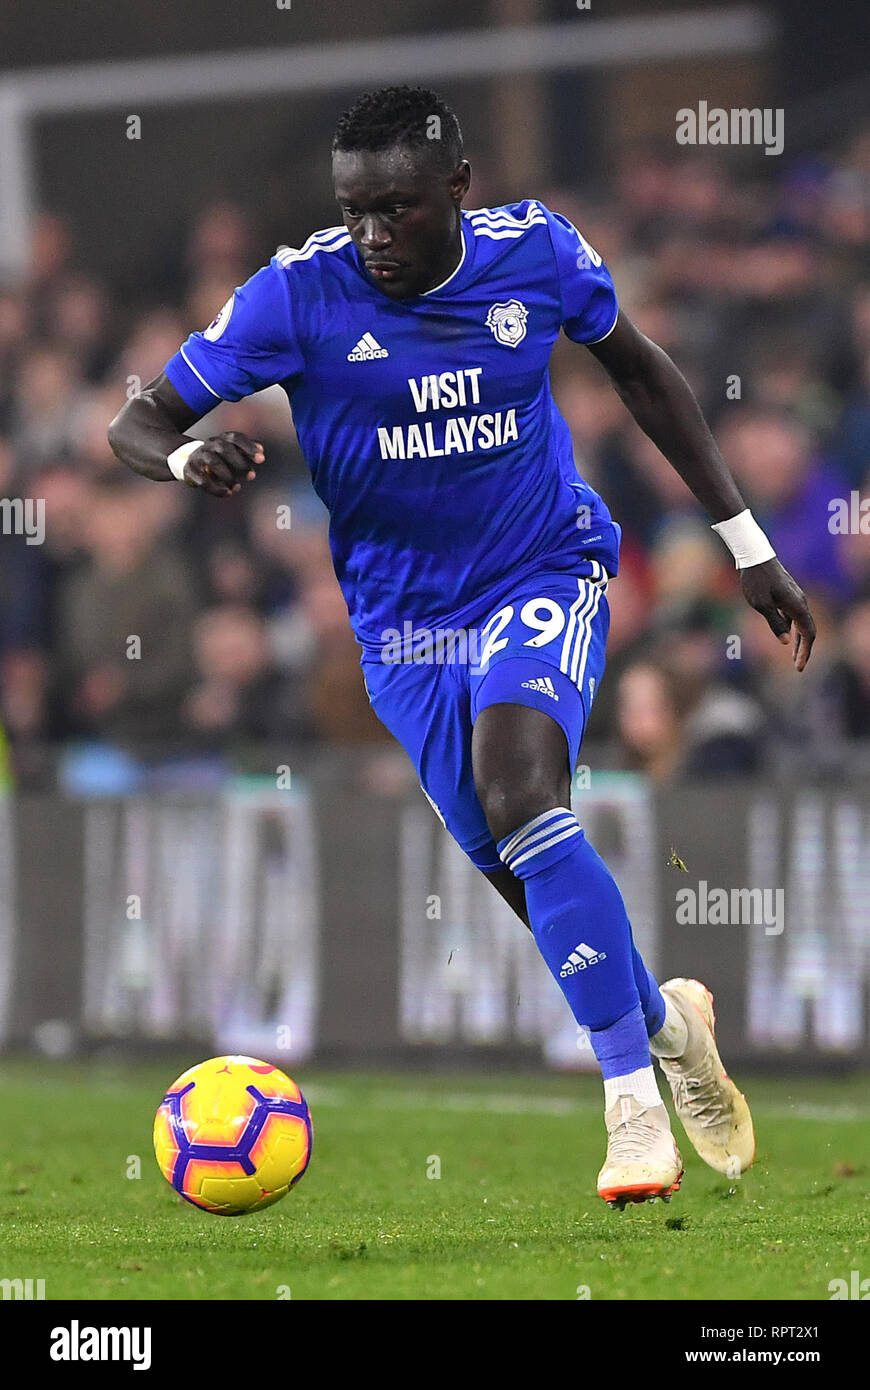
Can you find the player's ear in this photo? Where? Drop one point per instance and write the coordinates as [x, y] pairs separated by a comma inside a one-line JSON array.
[[460, 181]]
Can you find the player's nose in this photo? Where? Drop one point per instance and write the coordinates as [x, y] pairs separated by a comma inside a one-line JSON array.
[[374, 235]]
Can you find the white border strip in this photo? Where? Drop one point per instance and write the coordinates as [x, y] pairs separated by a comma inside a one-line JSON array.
[[576, 43]]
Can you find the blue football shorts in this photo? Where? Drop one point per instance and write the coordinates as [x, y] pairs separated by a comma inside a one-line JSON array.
[[543, 646]]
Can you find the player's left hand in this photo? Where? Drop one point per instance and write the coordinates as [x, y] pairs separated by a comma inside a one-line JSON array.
[[771, 591]]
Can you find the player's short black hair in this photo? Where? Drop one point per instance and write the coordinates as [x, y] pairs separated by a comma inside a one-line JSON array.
[[413, 117]]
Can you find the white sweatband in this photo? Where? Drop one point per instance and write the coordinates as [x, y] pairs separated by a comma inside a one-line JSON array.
[[178, 458], [746, 540]]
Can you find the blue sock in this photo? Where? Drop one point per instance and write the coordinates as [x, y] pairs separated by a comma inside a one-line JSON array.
[[652, 1003], [582, 930]]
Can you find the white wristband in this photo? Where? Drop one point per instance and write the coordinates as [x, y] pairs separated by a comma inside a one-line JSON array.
[[746, 540], [178, 458]]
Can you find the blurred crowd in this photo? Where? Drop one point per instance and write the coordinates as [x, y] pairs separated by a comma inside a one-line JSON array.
[[759, 288]]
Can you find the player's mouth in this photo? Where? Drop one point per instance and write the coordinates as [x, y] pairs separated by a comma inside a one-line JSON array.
[[385, 270]]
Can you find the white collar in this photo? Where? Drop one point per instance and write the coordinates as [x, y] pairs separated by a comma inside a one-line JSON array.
[[456, 268]]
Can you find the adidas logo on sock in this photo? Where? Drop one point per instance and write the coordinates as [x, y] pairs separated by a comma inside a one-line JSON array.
[[579, 958], [543, 684], [367, 349]]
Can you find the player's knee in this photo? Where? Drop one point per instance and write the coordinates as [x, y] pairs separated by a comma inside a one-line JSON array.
[[509, 804]]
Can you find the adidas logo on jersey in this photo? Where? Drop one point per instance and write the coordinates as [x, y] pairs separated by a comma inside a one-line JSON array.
[[367, 349], [579, 958], [542, 684]]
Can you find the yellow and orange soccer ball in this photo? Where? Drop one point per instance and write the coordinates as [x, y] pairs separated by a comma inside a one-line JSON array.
[[233, 1135]]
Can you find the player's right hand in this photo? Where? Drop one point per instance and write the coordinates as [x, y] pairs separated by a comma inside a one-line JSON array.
[[221, 464]]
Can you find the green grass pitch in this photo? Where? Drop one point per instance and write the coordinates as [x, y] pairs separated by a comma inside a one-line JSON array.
[[513, 1214]]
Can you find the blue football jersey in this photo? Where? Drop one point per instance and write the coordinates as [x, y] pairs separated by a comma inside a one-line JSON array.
[[428, 423]]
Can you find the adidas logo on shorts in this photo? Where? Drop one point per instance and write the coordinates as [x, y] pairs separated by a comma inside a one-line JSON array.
[[542, 684]]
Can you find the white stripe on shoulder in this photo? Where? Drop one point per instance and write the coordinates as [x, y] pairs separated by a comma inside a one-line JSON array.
[[500, 225], [331, 239], [324, 238], [504, 217], [508, 221], [520, 223], [508, 235]]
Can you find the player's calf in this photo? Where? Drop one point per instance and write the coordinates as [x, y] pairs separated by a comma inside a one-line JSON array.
[[581, 928]]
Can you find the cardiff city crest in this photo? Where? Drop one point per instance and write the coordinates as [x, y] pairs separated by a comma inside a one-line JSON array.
[[508, 322]]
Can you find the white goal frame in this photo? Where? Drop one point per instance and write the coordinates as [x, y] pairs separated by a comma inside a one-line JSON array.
[[583, 42]]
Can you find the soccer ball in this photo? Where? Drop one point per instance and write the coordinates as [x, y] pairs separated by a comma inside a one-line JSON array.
[[233, 1135]]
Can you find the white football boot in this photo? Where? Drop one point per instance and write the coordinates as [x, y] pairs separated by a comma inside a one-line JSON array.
[[714, 1113], [643, 1161]]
